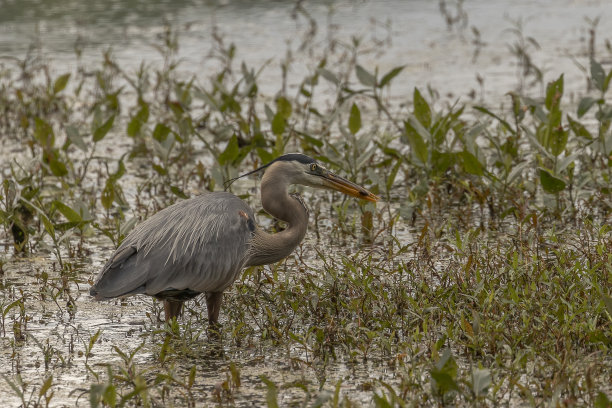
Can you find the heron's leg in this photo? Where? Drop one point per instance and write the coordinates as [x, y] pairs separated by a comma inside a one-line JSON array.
[[172, 308], [213, 304]]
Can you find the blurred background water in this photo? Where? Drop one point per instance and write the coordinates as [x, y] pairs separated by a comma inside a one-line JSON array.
[[470, 55]]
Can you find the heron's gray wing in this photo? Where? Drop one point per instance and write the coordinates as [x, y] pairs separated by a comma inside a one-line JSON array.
[[198, 244]]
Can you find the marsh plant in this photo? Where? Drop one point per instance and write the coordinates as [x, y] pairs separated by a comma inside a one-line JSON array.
[[484, 277]]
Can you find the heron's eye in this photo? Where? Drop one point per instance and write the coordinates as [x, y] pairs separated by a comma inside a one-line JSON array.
[[314, 167]]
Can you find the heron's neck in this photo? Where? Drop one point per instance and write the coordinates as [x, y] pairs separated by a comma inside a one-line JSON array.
[[269, 248]]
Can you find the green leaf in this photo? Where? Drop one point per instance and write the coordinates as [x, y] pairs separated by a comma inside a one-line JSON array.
[[416, 142], [264, 155], [502, 121], [161, 132], [421, 109], [272, 394], [110, 395], [598, 76], [43, 132], [554, 92], [608, 302], [481, 380], [46, 385], [364, 76], [585, 104], [330, 76], [58, 168], [471, 164], [67, 212], [108, 195], [550, 183], [102, 130], [283, 107], [75, 137], [178, 192], [60, 83], [602, 401], [138, 120], [47, 223], [558, 140], [390, 75], [309, 139], [444, 382], [159, 169], [278, 124], [230, 153], [607, 81], [192, 375], [354, 123], [380, 402], [578, 128]]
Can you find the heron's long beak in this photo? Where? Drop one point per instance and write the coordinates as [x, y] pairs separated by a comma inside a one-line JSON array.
[[338, 183]]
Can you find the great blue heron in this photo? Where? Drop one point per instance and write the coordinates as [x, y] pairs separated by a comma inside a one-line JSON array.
[[200, 245]]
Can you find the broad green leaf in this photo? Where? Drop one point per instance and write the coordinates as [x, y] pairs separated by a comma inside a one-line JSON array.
[[264, 155], [44, 133], [416, 142], [330, 76], [421, 109], [442, 161], [471, 164], [108, 195], [598, 76], [139, 119], [585, 104], [566, 161], [60, 83], [110, 395], [554, 92], [75, 137], [578, 128], [159, 169], [390, 75], [67, 212], [178, 192], [558, 140], [364, 76], [161, 132], [283, 107], [354, 123], [444, 381], [58, 168], [230, 153], [278, 124], [103, 129], [550, 183], [46, 385], [48, 224], [481, 380]]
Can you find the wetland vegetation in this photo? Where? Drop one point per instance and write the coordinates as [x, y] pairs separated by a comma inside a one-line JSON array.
[[482, 278]]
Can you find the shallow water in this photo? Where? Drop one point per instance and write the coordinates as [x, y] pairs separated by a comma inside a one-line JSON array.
[[411, 33]]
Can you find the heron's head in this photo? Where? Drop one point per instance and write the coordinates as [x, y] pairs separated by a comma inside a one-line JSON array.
[[297, 168]]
